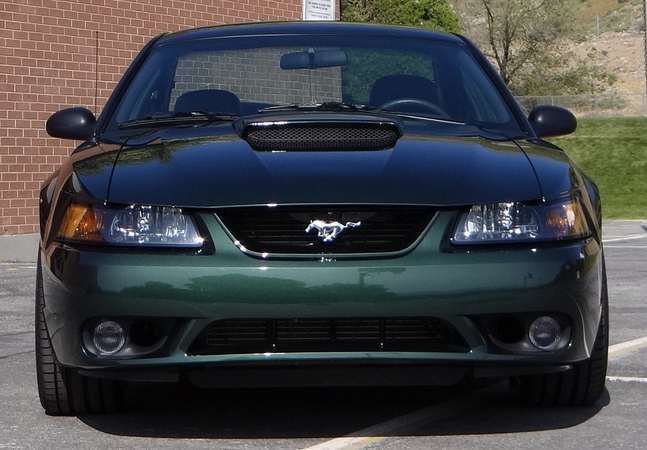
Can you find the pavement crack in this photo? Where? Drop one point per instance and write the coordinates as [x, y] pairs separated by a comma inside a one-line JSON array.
[[11, 355]]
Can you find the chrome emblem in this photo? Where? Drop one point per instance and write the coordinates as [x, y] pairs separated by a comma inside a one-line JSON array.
[[329, 230]]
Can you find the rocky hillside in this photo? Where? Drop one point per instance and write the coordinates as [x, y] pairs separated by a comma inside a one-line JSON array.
[[612, 36], [622, 53]]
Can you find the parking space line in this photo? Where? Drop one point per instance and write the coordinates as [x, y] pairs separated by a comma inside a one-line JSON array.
[[628, 379], [443, 410], [13, 267], [451, 408], [625, 238], [627, 347], [631, 247]]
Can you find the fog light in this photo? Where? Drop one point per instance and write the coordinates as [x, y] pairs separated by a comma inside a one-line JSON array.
[[545, 333], [109, 337]]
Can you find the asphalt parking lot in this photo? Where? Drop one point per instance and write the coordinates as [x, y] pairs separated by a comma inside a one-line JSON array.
[[480, 416]]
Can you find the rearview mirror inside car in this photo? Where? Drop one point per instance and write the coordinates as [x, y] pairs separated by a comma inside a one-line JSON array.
[[314, 59]]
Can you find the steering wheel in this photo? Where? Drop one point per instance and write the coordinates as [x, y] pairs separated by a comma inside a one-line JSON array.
[[414, 105]]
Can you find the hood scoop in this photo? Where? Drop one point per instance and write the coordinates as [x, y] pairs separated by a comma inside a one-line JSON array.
[[318, 132]]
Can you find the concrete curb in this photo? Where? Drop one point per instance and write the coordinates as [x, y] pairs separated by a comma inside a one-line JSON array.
[[19, 248]]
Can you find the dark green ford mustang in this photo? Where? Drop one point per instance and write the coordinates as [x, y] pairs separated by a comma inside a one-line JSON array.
[[317, 204]]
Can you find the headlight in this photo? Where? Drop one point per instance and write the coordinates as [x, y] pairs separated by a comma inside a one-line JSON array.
[[138, 225], [519, 222]]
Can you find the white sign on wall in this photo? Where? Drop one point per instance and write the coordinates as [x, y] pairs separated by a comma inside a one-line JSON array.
[[319, 9]]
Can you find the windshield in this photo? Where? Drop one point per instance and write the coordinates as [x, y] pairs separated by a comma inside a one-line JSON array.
[[239, 76]]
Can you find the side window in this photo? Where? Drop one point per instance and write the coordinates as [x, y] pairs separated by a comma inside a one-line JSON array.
[[152, 88], [486, 105]]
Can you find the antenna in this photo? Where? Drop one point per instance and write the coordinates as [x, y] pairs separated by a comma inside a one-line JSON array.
[[96, 71]]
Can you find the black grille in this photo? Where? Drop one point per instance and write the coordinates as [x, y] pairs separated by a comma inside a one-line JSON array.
[[322, 137], [328, 335], [282, 230]]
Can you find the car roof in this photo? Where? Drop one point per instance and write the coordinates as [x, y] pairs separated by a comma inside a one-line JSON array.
[[304, 27]]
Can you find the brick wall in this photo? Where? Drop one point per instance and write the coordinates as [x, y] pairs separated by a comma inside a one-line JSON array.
[[48, 55]]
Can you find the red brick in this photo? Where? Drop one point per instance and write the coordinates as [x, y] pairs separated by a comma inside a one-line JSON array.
[[46, 47]]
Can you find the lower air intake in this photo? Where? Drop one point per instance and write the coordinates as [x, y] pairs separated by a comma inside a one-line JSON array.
[[328, 335]]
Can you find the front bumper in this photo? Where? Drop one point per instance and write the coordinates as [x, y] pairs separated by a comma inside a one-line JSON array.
[[183, 295]]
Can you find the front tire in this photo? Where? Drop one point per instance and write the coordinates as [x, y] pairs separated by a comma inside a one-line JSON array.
[[581, 385], [64, 392]]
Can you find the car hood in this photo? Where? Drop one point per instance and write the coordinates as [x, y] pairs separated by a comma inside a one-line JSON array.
[[223, 170]]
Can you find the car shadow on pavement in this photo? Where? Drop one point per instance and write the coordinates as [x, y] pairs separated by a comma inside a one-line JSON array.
[[179, 411]]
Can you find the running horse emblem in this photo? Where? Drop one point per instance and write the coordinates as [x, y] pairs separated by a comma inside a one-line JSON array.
[[329, 230]]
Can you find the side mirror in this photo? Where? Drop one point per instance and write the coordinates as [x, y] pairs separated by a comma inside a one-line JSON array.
[[549, 121], [72, 123]]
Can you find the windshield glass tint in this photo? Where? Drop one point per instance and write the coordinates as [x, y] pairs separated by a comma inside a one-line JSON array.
[[241, 75]]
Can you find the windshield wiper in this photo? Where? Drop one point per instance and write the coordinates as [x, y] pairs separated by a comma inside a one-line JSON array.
[[178, 118], [326, 106], [340, 106], [423, 118]]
